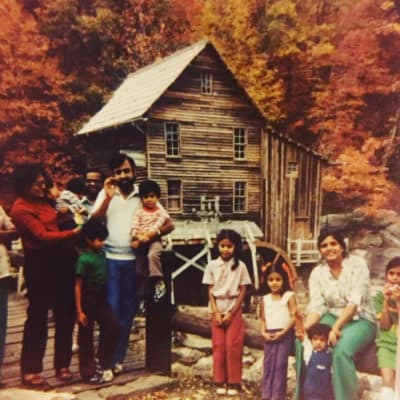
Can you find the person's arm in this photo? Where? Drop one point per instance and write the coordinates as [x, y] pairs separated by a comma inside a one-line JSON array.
[[217, 315], [104, 198], [292, 305], [316, 307], [227, 318], [80, 315], [347, 315], [29, 224], [7, 228], [385, 322], [7, 235], [266, 336], [359, 286]]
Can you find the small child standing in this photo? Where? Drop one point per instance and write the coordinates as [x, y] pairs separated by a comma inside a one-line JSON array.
[[386, 341], [227, 278], [146, 224], [92, 306], [317, 365], [278, 311]]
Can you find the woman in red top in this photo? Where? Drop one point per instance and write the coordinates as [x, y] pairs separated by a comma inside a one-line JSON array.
[[49, 275]]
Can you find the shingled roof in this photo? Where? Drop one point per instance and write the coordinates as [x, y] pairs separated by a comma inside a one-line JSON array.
[[141, 89]]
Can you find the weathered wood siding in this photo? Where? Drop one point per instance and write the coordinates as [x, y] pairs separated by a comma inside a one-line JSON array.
[[207, 165], [302, 216]]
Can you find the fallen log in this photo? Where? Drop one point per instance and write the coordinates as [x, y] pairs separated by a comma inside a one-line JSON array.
[[197, 320]]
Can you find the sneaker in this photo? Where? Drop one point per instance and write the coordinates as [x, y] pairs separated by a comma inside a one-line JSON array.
[[160, 290], [221, 391], [142, 309], [95, 379], [75, 347], [118, 368], [108, 375], [233, 389], [232, 392]]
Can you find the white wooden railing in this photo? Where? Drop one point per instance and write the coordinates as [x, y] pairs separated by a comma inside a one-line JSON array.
[[302, 251]]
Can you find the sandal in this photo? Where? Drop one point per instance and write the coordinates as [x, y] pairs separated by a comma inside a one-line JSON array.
[[34, 381], [64, 374]]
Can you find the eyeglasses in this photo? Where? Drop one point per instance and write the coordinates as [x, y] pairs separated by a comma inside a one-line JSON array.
[[123, 170], [39, 183]]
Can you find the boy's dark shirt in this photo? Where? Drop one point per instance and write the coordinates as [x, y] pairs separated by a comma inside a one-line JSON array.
[[91, 266]]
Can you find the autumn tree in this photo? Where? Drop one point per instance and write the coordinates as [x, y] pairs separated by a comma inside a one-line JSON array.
[[354, 111], [153, 29], [232, 25], [31, 88]]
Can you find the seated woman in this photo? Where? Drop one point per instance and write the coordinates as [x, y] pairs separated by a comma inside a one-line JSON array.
[[340, 297]]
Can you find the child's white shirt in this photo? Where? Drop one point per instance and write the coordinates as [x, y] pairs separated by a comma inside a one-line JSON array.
[[226, 283], [276, 311]]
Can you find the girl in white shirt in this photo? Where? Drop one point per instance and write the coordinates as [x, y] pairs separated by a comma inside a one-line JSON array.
[[227, 278], [278, 309]]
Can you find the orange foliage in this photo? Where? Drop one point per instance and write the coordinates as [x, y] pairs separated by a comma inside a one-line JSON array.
[[30, 87]]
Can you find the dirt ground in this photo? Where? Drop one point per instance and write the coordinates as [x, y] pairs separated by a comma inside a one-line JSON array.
[[197, 389]]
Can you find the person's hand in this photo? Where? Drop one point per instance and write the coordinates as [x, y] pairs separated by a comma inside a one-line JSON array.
[[110, 186], [396, 293], [77, 229], [81, 318], [143, 237], [269, 337], [227, 318], [334, 336], [135, 243], [387, 291], [218, 318]]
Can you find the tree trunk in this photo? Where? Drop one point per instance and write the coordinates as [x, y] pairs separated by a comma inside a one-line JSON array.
[[197, 320]]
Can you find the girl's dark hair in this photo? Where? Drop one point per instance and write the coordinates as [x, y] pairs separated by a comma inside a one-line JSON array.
[[336, 235], [118, 159], [25, 175], [236, 239], [147, 187], [94, 229], [393, 263], [279, 270]]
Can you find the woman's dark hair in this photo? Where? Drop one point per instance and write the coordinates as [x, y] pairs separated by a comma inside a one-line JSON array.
[[94, 229], [147, 187], [118, 159], [279, 270], [336, 235], [236, 240], [393, 263], [25, 175]]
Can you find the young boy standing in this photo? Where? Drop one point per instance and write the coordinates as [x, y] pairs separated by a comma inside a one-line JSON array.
[[318, 380], [146, 225], [92, 306]]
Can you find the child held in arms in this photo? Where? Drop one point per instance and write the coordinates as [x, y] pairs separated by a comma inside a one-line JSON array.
[[146, 242]]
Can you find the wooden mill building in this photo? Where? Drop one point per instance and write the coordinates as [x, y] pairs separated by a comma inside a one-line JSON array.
[[191, 126]]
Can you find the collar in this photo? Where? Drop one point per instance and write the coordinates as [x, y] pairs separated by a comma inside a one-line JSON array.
[[220, 262], [134, 193]]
